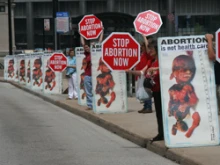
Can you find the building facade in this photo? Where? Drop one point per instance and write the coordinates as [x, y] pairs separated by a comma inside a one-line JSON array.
[[180, 17], [4, 30]]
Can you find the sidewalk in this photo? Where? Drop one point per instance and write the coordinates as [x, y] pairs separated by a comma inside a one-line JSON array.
[[138, 128]]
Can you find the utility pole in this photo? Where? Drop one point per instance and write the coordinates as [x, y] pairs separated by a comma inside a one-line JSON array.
[[56, 37], [170, 25], [10, 27], [43, 35]]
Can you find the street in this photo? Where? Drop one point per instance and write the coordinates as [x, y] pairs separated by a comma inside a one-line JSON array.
[[35, 132]]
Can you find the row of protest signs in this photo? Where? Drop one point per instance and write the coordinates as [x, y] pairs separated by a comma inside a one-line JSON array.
[[187, 79], [188, 94], [109, 88], [32, 70]]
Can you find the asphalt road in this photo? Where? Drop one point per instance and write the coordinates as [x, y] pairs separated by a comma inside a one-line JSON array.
[[35, 132]]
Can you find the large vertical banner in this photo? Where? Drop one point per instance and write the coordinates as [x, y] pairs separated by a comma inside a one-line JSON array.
[[109, 89], [9, 67], [5, 68], [36, 71], [80, 67], [52, 80], [21, 69], [16, 67], [188, 92], [28, 69]]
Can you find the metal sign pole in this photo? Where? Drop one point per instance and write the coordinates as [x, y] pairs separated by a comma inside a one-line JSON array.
[[9, 27], [55, 33], [55, 8]]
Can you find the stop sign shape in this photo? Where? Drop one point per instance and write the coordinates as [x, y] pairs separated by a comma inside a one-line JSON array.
[[58, 62], [120, 51], [90, 27], [148, 22], [217, 42]]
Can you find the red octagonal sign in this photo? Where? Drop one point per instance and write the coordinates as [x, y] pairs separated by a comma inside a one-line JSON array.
[[147, 23], [120, 51], [90, 27], [58, 62]]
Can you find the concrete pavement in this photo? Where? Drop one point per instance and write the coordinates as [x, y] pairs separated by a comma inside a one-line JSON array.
[[35, 132], [138, 128]]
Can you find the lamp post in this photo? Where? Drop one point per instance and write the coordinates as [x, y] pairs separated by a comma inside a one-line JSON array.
[[9, 27]]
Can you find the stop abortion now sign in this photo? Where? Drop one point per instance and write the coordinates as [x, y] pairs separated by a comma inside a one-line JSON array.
[[120, 51], [58, 62], [90, 27], [148, 22]]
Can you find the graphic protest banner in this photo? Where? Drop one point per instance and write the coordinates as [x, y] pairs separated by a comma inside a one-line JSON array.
[[109, 89], [28, 69], [21, 69], [80, 67], [52, 80], [5, 68], [9, 66], [16, 67], [36, 71], [188, 92]]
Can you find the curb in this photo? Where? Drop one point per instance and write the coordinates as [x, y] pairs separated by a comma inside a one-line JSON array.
[[142, 142]]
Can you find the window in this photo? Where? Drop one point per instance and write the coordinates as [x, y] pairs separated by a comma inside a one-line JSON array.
[[197, 25], [2, 9]]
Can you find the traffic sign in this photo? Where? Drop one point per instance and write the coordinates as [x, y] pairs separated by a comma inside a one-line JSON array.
[[217, 45], [62, 22], [120, 51], [90, 27], [58, 62], [148, 22]]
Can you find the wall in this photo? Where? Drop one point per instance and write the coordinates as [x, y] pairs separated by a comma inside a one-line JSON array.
[[3, 31]]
